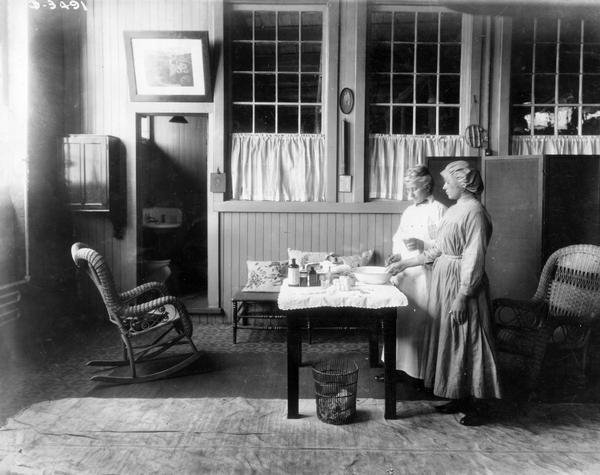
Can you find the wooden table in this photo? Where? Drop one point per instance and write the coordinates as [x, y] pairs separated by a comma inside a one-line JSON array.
[[384, 316]]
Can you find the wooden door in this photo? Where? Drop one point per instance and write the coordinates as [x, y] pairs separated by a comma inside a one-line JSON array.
[[513, 197]]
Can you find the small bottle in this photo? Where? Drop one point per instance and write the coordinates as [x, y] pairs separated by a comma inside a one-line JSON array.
[[313, 278], [293, 274]]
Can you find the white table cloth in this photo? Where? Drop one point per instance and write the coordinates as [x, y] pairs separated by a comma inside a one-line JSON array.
[[361, 296]]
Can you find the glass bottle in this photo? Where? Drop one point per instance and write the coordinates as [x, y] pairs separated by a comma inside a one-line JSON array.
[[293, 274]]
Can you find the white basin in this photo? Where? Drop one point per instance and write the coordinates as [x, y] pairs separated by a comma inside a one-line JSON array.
[[165, 226]]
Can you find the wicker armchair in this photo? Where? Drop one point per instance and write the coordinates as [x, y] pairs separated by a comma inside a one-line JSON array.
[[155, 325], [560, 314]]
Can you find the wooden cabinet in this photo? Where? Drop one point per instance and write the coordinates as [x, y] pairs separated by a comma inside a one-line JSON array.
[[538, 204], [93, 175]]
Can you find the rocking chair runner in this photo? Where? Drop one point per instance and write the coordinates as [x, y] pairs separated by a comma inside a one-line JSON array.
[[164, 315]]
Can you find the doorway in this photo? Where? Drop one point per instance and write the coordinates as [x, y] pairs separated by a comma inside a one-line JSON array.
[[172, 197]]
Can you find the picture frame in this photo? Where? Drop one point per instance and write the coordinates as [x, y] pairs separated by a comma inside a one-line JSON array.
[[169, 66]]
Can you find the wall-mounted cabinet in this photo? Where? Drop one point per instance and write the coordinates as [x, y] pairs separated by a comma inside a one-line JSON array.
[[93, 176]]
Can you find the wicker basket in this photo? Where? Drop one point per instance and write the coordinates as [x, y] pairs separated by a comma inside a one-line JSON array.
[[335, 390]]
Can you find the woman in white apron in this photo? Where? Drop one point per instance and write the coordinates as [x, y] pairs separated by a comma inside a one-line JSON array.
[[417, 232]]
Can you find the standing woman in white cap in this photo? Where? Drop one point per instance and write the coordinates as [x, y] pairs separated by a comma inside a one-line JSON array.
[[417, 232], [461, 361]]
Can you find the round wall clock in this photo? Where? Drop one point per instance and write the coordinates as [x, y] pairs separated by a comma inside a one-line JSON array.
[[346, 100]]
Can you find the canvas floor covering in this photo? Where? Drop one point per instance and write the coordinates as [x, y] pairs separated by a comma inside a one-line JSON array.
[[243, 435]]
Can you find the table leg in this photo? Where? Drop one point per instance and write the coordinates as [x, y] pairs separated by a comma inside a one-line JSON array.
[[293, 363], [389, 342], [374, 344]]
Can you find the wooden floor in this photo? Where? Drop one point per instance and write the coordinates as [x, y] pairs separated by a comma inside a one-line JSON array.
[[48, 364]]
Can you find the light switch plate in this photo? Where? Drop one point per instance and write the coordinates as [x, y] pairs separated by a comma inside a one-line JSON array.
[[345, 184], [217, 182]]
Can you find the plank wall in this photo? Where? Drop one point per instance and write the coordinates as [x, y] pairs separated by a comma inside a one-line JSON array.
[[267, 236], [99, 102]]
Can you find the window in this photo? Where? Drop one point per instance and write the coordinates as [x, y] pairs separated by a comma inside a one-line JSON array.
[[277, 96], [416, 67], [414, 61], [276, 71], [555, 75]]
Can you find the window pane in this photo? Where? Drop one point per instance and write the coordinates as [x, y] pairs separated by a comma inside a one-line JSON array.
[[310, 120], [568, 88], [450, 89], [264, 59], [426, 89], [265, 88], [426, 58], [312, 29], [310, 88], [522, 58], [287, 88], [544, 88], [545, 58], [449, 120], [381, 26], [379, 120], [242, 87], [521, 89], [241, 26], [404, 58], [242, 57], [403, 88], [522, 31], [450, 27], [287, 120], [311, 57], [590, 89], [570, 30], [543, 121], [567, 121], [546, 30], [404, 26], [449, 58], [241, 118], [427, 27], [288, 57], [591, 32], [379, 88], [264, 119], [591, 120], [264, 25], [288, 23], [591, 58], [521, 120], [402, 120], [425, 123], [568, 58], [379, 57]]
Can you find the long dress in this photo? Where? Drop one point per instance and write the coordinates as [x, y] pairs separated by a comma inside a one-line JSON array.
[[412, 327], [461, 361]]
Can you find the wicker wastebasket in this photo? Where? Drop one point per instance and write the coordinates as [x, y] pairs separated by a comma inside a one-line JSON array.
[[335, 390]]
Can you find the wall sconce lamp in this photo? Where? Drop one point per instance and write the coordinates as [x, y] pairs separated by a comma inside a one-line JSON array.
[[178, 119]]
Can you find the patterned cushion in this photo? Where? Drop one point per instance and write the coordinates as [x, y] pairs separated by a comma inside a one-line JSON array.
[[306, 257], [265, 276]]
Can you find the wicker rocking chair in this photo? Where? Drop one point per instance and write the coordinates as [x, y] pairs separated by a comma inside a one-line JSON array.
[[155, 325], [560, 314]]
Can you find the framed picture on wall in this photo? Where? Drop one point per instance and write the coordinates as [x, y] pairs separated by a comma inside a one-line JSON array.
[[168, 66]]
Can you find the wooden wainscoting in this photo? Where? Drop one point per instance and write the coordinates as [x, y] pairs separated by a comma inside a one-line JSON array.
[[267, 236]]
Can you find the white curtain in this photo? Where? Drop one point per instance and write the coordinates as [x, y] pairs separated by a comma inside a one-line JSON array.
[[578, 145], [272, 167], [391, 155]]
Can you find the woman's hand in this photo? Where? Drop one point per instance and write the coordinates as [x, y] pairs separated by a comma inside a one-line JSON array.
[[414, 244], [458, 309], [393, 258], [396, 267]]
